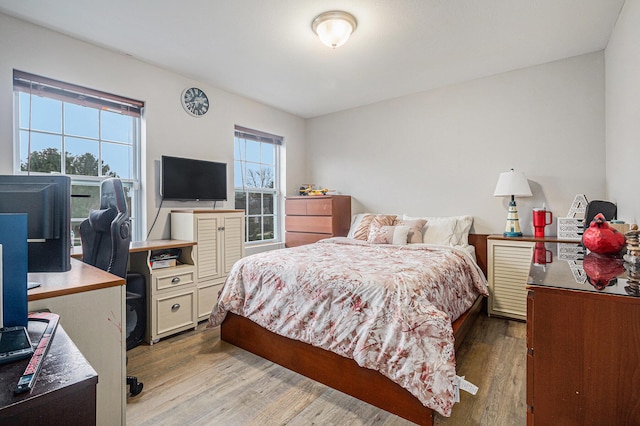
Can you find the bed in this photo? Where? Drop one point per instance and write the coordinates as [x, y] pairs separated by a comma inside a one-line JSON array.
[[396, 356]]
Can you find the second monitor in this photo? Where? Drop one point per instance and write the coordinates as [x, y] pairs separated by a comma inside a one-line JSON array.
[[46, 199]]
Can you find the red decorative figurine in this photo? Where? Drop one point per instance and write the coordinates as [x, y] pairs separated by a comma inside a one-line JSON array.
[[602, 239]]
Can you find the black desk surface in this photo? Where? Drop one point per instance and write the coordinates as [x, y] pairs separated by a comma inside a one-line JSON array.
[[65, 371]]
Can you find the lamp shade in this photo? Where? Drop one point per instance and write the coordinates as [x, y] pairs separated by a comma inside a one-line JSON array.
[[334, 28], [512, 183]]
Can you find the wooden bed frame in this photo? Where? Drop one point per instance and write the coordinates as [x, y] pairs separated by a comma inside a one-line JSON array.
[[342, 373]]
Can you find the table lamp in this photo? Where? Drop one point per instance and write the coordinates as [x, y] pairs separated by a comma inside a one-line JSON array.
[[512, 184]]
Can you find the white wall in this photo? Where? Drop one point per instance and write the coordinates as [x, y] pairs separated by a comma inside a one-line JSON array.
[[622, 59], [437, 152], [440, 152], [169, 130]]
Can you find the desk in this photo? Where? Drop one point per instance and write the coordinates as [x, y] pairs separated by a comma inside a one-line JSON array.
[[91, 305], [65, 391], [172, 293]]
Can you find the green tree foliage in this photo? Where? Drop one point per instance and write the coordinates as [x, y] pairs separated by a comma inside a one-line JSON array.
[[48, 160], [45, 161]]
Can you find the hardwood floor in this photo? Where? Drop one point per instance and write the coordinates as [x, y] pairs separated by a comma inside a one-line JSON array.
[[194, 378]]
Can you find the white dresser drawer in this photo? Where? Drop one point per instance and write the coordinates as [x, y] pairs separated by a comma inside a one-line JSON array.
[[171, 278], [174, 312]]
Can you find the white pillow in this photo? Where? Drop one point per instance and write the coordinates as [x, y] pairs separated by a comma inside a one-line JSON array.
[[449, 231], [462, 229]]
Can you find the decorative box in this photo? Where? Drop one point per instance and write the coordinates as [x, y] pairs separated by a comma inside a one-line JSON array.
[[570, 228]]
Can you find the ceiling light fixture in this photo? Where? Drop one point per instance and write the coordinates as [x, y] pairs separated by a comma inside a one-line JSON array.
[[334, 28]]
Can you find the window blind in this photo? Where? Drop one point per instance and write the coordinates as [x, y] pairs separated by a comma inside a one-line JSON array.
[[66, 92], [258, 136]]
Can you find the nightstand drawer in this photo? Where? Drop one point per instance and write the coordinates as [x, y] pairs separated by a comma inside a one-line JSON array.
[[174, 277], [175, 311]]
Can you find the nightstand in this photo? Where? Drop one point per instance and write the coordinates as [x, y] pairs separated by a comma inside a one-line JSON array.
[[508, 262]]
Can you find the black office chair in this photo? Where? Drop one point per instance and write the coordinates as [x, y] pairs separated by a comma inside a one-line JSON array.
[[106, 236], [607, 208]]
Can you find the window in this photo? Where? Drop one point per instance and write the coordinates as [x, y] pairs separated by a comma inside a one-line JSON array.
[[83, 133], [256, 177]]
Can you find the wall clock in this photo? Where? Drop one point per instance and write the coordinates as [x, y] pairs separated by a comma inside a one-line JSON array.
[[195, 101]]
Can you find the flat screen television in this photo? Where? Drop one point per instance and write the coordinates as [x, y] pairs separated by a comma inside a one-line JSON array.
[[47, 202], [187, 179]]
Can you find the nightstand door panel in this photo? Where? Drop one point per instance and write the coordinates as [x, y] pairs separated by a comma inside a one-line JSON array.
[[509, 264]]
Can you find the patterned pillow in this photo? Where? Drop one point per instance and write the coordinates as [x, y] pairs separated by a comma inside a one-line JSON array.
[[389, 235], [362, 232], [381, 220], [415, 231]]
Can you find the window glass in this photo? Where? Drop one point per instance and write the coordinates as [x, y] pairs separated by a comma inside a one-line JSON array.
[[268, 228], [241, 201], [45, 152], [81, 121], [252, 178], [254, 224], [253, 151], [267, 204], [255, 203], [238, 178], [268, 154], [81, 156], [266, 176], [46, 114], [117, 127], [117, 160]]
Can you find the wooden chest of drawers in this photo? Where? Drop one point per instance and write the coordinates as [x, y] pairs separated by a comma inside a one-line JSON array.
[[312, 218], [583, 346]]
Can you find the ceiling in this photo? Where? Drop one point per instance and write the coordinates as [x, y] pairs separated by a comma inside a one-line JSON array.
[[266, 50]]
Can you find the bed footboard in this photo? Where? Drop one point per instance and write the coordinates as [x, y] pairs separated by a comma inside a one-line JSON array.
[[333, 370]]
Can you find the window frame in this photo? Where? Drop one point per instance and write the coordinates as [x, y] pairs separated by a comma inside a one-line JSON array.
[[276, 141], [73, 94]]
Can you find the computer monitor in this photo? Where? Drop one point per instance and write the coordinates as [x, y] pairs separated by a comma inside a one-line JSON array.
[[46, 199]]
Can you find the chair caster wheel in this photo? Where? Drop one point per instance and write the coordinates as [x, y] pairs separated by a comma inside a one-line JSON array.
[[135, 387]]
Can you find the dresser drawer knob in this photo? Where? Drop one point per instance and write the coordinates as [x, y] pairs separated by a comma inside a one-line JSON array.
[[175, 280], [175, 307]]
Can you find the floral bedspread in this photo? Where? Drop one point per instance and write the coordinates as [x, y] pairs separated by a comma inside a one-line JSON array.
[[387, 307]]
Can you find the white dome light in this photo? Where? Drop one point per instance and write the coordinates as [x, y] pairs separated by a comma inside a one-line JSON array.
[[334, 28]]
